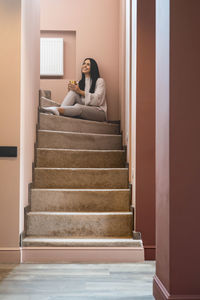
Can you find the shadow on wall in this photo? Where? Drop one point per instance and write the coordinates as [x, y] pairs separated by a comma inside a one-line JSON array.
[[9, 6]]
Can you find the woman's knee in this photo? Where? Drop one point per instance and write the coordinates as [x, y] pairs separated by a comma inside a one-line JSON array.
[[72, 93], [78, 108], [78, 105]]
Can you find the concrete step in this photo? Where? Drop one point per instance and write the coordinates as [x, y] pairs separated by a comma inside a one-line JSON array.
[[69, 200], [47, 102], [60, 123], [45, 93], [73, 140], [84, 178], [45, 241], [65, 158], [115, 224]]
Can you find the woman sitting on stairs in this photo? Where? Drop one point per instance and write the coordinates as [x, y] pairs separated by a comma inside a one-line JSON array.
[[85, 99]]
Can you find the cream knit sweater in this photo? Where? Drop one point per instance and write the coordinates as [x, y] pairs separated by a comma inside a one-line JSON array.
[[98, 98]]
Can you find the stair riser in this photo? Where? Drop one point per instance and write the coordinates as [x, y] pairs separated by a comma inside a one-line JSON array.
[[80, 201], [81, 178], [50, 122], [79, 159], [59, 140], [80, 225]]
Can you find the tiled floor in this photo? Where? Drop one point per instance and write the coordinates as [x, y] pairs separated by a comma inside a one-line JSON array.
[[76, 281]]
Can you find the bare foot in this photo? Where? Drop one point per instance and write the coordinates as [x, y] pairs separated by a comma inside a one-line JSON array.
[[61, 110], [52, 110]]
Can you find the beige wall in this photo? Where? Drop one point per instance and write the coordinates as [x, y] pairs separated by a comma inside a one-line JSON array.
[[30, 84], [97, 35], [122, 56], [10, 22]]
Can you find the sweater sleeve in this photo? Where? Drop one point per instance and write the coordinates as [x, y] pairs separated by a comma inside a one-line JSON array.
[[98, 97]]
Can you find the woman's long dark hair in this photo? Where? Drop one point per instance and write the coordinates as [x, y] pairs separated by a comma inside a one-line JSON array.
[[94, 75]]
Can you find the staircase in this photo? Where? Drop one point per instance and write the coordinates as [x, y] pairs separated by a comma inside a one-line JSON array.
[[80, 198]]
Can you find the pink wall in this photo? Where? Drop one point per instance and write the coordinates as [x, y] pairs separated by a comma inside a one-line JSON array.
[[122, 36], [10, 16], [30, 84], [97, 35], [177, 150], [162, 140]]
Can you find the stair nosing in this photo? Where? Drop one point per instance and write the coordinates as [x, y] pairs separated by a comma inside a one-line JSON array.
[[55, 213], [66, 238], [80, 150], [81, 190], [102, 242], [114, 239], [79, 133], [99, 169]]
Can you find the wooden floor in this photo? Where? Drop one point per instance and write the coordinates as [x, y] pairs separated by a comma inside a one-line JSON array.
[[76, 281]]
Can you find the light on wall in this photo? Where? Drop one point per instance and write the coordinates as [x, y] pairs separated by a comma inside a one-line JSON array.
[[51, 57]]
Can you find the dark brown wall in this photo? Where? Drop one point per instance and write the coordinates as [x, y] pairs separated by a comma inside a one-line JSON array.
[[145, 125], [185, 146], [178, 156]]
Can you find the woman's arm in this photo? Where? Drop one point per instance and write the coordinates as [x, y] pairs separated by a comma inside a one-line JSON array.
[[98, 97]]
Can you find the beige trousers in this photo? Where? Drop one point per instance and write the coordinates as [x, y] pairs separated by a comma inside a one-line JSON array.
[[74, 107]]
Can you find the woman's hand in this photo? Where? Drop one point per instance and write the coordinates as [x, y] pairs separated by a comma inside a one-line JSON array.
[[76, 89]]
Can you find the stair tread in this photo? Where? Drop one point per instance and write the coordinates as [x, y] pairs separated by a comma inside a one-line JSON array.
[[50, 101], [73, 224], [62, 123], [79, 133], [80, 120], [78, 140], [81, 178]]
